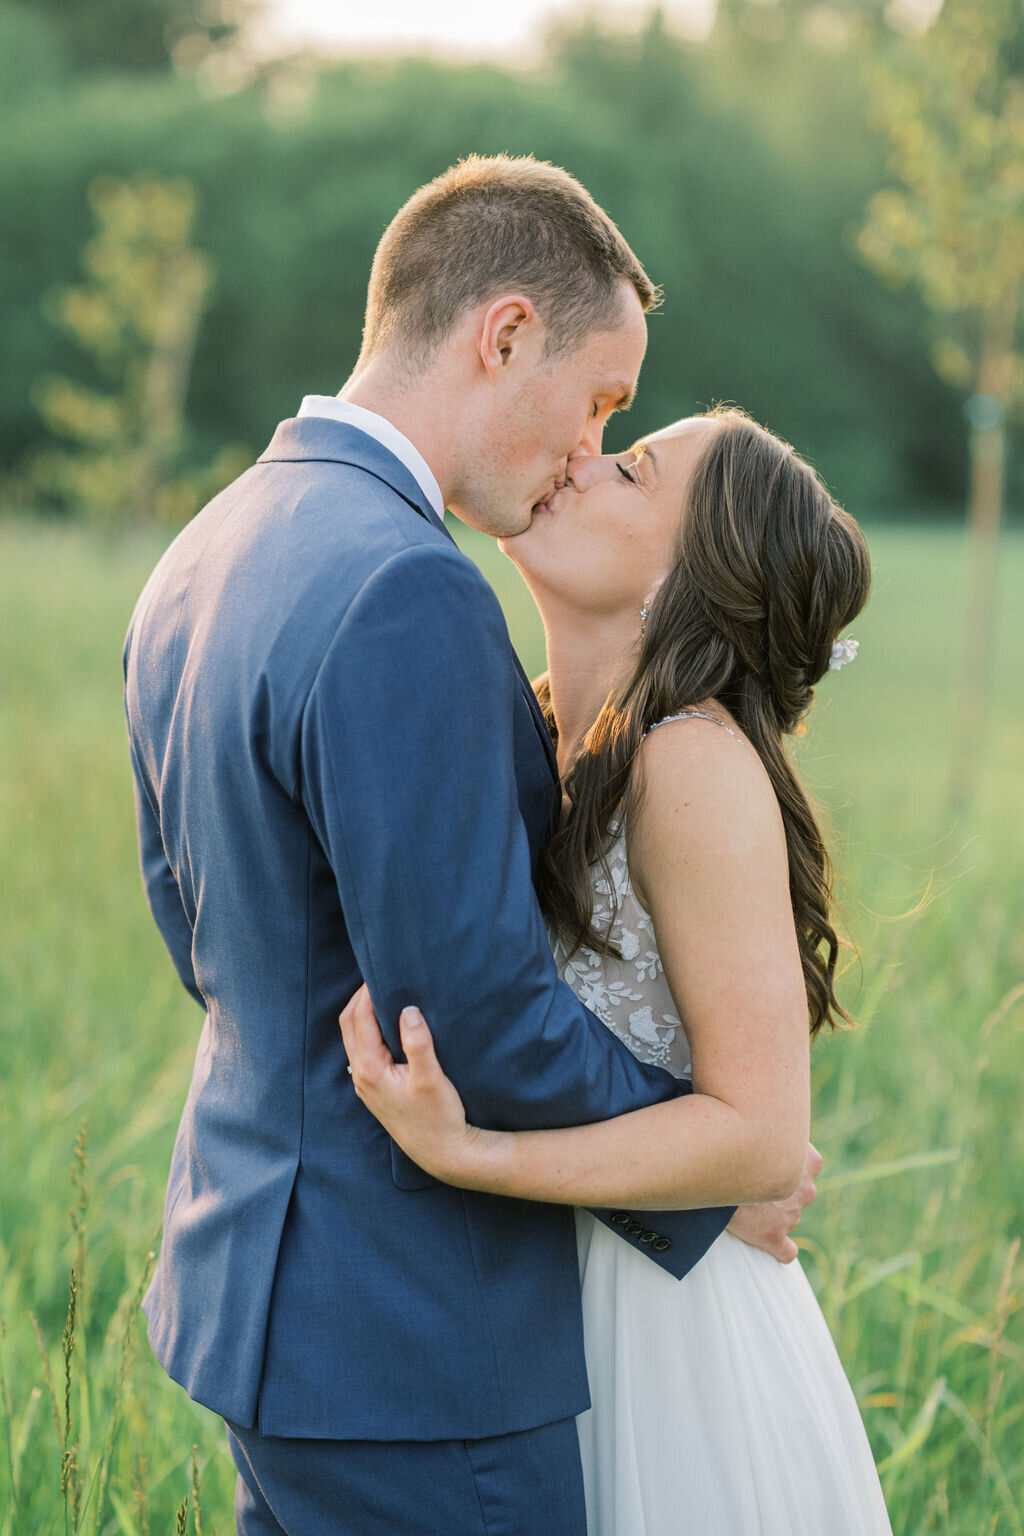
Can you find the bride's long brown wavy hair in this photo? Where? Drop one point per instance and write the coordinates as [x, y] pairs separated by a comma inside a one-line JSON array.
[[769, 569]]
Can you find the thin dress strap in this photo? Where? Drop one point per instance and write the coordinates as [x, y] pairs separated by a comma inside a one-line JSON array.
[[689, 714]]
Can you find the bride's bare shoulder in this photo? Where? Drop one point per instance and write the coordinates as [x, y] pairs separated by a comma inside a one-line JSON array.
[[704, 795], [701, 733]]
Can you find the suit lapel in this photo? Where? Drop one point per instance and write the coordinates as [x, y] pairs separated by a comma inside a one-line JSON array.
[[311, 438], [538, 718]]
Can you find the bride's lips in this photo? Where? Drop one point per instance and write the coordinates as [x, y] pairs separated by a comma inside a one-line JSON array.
[[551, 504], [549, 500]]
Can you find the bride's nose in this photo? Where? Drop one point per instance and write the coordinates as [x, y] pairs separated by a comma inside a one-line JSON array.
[[584, 470]]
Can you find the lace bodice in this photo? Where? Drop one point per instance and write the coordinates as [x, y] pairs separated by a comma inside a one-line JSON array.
[[630, 995]]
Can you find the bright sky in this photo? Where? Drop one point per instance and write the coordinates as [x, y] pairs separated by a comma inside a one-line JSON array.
[[457, 26]]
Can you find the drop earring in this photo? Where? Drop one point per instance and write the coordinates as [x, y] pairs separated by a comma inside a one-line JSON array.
[[644, 611]]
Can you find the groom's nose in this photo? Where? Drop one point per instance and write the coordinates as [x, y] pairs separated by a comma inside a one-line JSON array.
[[591, 441]]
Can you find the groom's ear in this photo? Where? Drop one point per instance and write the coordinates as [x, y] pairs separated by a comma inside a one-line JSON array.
[[511, 330]]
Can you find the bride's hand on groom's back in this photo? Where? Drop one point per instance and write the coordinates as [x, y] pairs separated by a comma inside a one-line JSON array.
[[414, 1101], [421, 1110], [768, 1226]]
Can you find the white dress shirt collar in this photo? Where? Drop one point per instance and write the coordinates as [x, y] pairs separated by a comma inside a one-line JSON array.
[[387, 435]]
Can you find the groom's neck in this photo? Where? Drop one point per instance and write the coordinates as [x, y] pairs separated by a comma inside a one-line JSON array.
[[421, 408]]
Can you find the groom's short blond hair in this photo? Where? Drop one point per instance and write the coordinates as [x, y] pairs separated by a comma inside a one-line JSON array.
[[488, 226]]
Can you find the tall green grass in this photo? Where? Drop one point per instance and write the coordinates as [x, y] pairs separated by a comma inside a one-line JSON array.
[[910, 1245]]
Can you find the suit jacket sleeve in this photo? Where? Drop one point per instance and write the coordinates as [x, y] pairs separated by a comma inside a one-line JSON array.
[[408, 777], [163, 894], [161, 887]]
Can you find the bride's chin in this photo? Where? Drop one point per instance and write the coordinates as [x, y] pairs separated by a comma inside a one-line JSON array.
[[512, 544]]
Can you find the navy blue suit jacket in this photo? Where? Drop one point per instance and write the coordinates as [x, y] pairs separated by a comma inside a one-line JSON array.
[[341, 774]]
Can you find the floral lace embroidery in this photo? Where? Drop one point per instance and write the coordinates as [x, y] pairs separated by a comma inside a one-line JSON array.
[[631, 995], [607, 986]]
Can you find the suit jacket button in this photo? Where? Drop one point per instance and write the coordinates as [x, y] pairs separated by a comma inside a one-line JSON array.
[[620, 1218], [661, 1244], [647, 1237], [634, 1229]]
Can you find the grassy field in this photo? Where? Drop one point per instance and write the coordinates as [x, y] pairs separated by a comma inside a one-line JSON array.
[[918, 1114]]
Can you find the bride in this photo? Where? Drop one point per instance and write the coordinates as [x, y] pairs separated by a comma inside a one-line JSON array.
[[693, 591]]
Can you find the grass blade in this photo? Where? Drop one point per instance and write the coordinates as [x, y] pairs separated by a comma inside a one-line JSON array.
[[875, 1171], [48, 1377], [977, 1438], [919, 1430], [127, 1355]]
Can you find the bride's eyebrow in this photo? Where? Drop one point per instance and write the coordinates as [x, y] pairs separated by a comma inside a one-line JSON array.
[[643, 452]]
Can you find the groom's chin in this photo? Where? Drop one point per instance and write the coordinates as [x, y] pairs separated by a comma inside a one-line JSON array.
[[499, 521], [514, 522], [525, 524]]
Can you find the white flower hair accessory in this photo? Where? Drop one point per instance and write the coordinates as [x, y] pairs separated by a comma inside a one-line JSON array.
[[842, 652]]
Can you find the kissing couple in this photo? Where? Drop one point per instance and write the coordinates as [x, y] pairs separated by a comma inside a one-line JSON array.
[[510, 1256]]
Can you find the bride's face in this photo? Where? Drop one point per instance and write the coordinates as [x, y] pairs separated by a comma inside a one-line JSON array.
[[605, 542]]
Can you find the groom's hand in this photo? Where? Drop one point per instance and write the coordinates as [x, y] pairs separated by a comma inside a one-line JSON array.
[[768, 1226]]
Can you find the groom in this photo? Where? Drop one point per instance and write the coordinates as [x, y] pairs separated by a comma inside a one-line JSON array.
[[341, 774]]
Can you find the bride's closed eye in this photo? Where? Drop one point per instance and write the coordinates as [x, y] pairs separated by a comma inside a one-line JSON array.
[[628, 474]]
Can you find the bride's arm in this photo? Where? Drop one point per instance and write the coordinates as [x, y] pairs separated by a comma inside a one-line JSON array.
[[708, 859]]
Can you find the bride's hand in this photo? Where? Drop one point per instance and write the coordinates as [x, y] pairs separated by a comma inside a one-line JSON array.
[[413, 1100], [768, 1226]]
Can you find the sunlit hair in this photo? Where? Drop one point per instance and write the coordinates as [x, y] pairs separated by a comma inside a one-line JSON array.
[[491, 226], [769, 570]]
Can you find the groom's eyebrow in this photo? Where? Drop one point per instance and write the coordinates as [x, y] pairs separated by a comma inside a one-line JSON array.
[[625, 397]]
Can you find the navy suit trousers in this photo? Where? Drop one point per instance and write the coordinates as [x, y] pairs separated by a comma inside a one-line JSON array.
[[526, 1484]]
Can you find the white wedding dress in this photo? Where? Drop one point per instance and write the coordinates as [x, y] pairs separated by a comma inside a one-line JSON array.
[[719, 1404]]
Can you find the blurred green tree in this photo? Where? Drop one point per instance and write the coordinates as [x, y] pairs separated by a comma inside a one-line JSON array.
[[139, 36], [738, 169], [32, 62], [950, 100], [737, 165], [137, 315]]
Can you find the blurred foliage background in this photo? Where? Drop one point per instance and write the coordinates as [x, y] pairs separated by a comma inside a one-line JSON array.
[[742, 167], [832, 195]]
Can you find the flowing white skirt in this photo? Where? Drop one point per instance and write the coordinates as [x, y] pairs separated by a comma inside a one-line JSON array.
[[719, 1404]]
